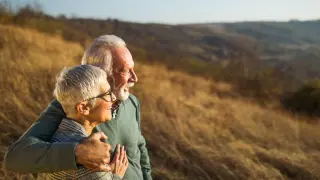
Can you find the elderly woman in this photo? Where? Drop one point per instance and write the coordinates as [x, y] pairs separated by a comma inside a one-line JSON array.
[[86, 98]]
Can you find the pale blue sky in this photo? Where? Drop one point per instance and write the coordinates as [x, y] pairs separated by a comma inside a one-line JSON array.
[[185, 11]]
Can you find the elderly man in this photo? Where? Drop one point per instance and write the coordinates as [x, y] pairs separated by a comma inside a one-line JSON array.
[[34, 153]]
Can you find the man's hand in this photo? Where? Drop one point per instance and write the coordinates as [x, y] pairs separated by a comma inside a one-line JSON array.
[[94, 154], [119, 162]]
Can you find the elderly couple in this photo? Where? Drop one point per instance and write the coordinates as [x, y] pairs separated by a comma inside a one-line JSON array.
[[88, 132]]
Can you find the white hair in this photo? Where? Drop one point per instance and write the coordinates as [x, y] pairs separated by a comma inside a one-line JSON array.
[[78, 83], [99, 52]]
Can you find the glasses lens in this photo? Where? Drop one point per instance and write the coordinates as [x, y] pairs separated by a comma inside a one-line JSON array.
[[108, 97]]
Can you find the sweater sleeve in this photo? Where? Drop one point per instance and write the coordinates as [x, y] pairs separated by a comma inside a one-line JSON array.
[[33, 152], [144, 159]]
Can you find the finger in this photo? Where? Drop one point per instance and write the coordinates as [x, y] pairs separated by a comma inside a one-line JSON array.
[[98, 136], [107, 148], [121, 153], [117, 153], [125, 157], [105, 161], [112, 165], [126, 163], [102, 136]]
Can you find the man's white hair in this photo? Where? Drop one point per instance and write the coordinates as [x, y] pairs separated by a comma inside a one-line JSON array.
[[78, 83], [99, 52]]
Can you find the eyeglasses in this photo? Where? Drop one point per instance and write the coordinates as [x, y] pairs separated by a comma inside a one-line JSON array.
[[107, 96]]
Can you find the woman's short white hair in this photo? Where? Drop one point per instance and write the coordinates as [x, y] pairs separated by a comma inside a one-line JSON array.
[[78, 83], [99, 52]]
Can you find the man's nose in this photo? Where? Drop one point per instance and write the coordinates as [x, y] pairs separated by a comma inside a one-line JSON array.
[[133, 77]]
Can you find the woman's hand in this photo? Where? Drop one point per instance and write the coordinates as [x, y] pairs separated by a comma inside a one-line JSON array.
[[119, 162]]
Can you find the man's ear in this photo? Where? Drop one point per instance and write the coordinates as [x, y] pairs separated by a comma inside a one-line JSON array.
[[83, 108]]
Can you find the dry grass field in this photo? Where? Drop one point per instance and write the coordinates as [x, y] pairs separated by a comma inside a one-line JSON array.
[[195, 128]]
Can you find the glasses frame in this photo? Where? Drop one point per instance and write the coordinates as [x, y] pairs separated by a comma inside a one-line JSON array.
[[101, 96]]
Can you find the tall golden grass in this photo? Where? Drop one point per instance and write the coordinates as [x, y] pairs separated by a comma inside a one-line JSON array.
[[29, 62], [194, 127]]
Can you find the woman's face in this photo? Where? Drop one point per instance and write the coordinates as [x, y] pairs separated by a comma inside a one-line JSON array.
[[102, 110]]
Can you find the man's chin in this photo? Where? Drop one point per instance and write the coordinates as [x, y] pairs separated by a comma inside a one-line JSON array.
[[123, 96]]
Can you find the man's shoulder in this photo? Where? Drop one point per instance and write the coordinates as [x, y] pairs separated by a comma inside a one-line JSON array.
[[54, 107], [133, 98], [55, 103]]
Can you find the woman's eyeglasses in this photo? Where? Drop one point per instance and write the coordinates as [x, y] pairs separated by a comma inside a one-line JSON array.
[[107, 96]]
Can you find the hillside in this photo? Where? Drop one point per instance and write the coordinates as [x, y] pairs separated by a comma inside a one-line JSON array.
[[284, 54], [195, 127], [290, 47]]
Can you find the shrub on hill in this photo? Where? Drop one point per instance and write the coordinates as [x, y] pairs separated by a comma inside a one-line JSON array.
[[306, 99]]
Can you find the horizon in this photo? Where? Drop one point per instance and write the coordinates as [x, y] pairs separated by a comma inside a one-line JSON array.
[[182, 12]]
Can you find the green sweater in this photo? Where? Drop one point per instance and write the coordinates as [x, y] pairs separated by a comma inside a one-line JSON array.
[[33, 152]]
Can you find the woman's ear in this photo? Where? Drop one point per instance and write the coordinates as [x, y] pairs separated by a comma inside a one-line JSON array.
[[83, 108]]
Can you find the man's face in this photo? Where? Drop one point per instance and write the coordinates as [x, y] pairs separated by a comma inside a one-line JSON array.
[[123, 73]]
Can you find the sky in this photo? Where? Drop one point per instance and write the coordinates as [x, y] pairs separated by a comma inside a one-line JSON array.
[[183, 11]]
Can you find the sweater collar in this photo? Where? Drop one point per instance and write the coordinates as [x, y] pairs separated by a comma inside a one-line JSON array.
[[71, 125]]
